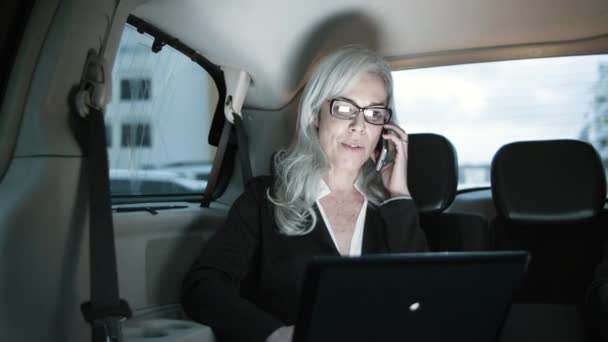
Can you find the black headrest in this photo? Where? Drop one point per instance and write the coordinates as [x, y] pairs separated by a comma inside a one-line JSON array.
[[432, 172], [554, 181]]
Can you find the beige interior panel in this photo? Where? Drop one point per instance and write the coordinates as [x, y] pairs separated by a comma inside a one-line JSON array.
[[269, 131], [155, 250], [44, 246]]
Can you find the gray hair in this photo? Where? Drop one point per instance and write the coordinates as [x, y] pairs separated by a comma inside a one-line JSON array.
[[299, 169]]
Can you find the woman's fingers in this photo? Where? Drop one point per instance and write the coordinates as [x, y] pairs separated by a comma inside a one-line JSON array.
[[400, 132], [396, 173], [400, 144]]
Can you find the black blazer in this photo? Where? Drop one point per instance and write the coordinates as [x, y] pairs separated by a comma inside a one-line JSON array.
[[246, 282]]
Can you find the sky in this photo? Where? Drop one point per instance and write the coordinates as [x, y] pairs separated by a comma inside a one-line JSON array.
[[480, 107]]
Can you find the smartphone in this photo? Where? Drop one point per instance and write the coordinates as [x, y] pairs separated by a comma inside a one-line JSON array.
[[383, 154]]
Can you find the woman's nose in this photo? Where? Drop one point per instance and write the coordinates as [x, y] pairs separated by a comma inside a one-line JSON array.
[[357, 124]]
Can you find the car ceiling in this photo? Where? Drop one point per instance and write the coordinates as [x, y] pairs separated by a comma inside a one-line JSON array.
[[275, 41]]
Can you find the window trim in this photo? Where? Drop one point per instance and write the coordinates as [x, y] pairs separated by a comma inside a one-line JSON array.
[[215, 72]]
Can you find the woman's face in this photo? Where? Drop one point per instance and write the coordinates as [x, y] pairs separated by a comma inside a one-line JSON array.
[[350, 143]]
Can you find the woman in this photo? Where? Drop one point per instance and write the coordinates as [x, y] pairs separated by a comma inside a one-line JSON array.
[[326, 199]]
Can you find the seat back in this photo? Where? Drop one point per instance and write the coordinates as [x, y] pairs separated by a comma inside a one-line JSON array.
[[433, 181], [548, 196], [432, 172], [596, 299]]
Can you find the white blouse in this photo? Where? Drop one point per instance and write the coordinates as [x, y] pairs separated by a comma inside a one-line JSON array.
[[356, 241]]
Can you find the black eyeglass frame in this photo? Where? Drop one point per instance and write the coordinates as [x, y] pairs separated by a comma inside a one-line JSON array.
[[359, 110]]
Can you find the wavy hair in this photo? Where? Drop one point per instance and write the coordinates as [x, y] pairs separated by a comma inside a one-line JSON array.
[[299, 169]]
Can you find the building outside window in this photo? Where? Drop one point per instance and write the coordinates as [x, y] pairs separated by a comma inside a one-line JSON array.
[[596, 129], [135, 89], [136, 135]]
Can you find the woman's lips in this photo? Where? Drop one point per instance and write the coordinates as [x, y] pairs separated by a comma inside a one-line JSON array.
[[352, 147]]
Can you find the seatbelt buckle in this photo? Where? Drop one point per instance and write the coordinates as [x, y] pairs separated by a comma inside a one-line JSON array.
[[112, 327]]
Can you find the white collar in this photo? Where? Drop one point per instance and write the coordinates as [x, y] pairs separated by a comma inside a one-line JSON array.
[[356, 244], [324, 190]]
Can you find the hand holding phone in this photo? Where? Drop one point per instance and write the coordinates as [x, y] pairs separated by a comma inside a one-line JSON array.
[[392, 150]]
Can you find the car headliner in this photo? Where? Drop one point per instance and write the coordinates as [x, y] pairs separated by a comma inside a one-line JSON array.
[[276, 40]]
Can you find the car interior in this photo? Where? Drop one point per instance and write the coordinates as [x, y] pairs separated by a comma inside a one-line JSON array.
[[129, 127]]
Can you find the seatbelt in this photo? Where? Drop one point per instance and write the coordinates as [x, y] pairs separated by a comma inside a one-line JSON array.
[[106, 310], [218, 161], [243, 146], [237, 85]]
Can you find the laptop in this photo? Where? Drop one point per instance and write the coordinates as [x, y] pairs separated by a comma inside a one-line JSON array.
[[421, 297]]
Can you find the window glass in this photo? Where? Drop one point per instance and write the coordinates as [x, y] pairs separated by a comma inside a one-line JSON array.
[[136, 135], [108, 135], [158, 120], [480, 107], [133, 89]]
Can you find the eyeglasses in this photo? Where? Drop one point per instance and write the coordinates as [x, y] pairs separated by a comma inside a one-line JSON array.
[[346, 110]]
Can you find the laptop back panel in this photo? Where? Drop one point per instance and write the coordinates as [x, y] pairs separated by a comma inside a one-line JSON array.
[[408, 297]]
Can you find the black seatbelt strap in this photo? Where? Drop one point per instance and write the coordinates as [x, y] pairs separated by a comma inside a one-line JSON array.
[[225, 153], [220, 155], [105, 311], [243, 146]]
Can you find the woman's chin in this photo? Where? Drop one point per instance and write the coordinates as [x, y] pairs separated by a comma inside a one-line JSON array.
[[349, 165]]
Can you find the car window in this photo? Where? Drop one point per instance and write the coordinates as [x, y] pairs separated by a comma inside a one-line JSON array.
[[158, 120], [480, 107]]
